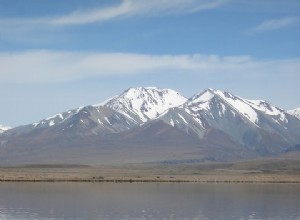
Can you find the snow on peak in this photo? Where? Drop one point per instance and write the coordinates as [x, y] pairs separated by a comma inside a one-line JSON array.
[[248, 108], [251, 108], [239, 104], [205, 96], [208, 94], [145, 102], [202, 101], [295, 112], [4, 128], [266, 108], [56, 119]]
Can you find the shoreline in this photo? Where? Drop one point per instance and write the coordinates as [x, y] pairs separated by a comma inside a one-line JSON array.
[[197, 173], [210, 177], [148, 181]]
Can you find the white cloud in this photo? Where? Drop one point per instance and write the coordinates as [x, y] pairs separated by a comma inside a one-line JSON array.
[[275, 24], [126, 8], [52, 66]]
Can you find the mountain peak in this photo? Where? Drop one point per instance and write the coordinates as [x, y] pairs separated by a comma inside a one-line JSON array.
[[202, 97], [250, 109], [140, 88], [208, 94], [140, 91], [295, 112], [4, 128], [144, 103]]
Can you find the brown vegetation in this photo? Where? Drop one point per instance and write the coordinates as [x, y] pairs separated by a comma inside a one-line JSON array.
[[256, 171]]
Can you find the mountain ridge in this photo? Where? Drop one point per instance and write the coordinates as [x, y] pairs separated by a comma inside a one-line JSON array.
[[295, 112], [146, 124], [4, 128]]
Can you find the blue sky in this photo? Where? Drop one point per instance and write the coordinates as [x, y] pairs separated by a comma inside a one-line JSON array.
[[57, 55]]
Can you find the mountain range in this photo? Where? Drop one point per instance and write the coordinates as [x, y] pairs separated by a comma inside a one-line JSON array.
[[152, 125]]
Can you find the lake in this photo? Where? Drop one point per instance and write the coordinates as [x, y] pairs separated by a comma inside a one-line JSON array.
[[149, 201]]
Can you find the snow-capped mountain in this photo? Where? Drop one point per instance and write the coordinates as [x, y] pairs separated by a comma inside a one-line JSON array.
[[252, 123], [4, 128], [295, 112], [130, 109], [88, 120], [151, 124], [145, 103]]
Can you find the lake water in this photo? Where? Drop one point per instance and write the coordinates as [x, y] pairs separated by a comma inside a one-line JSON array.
[[149, 201]]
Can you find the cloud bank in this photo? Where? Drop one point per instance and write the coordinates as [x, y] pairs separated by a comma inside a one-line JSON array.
[[275, 24], [52, 66], [126, 8]]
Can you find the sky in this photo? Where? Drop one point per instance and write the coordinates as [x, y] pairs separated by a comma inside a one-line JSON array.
[[57, 55]]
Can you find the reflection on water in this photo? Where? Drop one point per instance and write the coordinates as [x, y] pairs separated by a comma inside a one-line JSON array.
[[148, 201]]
